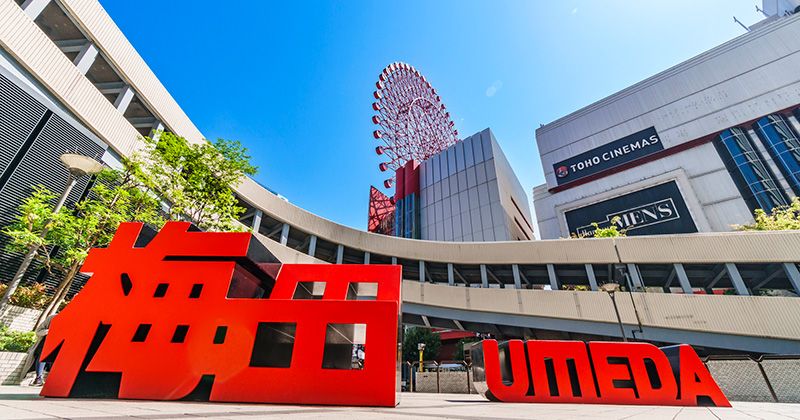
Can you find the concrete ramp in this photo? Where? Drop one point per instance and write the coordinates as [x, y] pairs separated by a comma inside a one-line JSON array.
[[744, 323]]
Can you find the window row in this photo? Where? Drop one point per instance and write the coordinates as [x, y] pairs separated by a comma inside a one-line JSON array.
[[752, 175]]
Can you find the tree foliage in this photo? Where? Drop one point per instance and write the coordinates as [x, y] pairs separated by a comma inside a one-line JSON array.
[[16, 341], [116, 197], [170, 179], [416, 335], [32, 297], [35, 212], [781, 218], [197, 180], [612, 231]]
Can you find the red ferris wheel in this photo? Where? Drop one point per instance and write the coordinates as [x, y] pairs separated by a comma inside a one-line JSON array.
[[413, 122]]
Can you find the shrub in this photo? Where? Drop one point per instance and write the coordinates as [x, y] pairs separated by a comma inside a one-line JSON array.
[[781, 218], [33, 296], [16, 341]]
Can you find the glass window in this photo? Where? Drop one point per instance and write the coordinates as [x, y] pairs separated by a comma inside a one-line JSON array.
[[783, 145], [753, 178]]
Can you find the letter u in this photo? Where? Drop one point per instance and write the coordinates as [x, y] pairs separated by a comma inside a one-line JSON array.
[[499, 389]]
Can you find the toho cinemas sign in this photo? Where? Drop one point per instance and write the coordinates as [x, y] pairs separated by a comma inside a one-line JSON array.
[[609, 155]]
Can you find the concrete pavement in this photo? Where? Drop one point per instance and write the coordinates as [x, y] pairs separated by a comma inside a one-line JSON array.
[[23, 403]]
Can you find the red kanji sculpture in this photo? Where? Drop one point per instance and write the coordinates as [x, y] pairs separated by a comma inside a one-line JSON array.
[[213, 316]]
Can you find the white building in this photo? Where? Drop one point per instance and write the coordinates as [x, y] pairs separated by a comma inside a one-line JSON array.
[[695, 148]]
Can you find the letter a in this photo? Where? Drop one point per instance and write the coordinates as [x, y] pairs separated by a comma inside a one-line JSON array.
[[697, 381]]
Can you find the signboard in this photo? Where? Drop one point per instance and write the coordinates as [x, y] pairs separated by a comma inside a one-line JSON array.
[[652, 211], [542, 371], [609, 155], [212, 316]]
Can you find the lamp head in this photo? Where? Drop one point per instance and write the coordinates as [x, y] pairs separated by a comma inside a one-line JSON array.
[[610, 288], [80, 165]]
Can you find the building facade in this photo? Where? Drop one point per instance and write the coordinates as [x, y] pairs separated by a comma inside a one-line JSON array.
[[37, 126], [67, 59], [468, 192], [696, 148]]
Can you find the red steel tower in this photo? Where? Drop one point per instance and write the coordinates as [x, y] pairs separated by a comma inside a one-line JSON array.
[[413, 125]]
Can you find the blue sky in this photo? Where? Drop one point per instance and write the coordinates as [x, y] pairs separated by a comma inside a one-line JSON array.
[[293, 80]]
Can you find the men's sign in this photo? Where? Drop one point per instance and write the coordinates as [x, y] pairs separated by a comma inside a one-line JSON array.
[[214, 316], [597, 373], [609, 155], [652, 211]]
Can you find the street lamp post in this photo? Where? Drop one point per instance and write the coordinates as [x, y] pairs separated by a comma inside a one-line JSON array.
[[421, 348], [612, 288], [78, 166]]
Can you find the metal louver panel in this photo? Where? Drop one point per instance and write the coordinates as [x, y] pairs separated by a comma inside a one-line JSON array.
[[41, 166], [19, 114]]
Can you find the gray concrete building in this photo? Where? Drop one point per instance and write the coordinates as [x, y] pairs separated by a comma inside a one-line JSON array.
[[695, 148], [469, 192]]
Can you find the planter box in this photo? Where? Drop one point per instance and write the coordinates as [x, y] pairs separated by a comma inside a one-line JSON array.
[[10, 367], [19, 318]]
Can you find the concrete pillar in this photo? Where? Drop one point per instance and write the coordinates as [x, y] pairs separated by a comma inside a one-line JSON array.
[[636, 279], [155, 132], [394, 260], [484, 277], [33, 8], [285, 234], [451, 277], [257, 220], [124, 98], [339, 253], [591, 277], [421, 271], [86, 57], [683, 279], [312, 245], [736, 279], [366, 257], [551, 273], [794, 275], [517, 277]]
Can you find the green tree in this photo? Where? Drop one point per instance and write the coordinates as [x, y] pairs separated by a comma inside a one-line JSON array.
[[197, 180], [416, 335], [116, 197], [35, 213], [781, 218]]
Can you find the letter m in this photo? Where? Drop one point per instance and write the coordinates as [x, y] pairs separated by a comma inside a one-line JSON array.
[[561, 372]]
